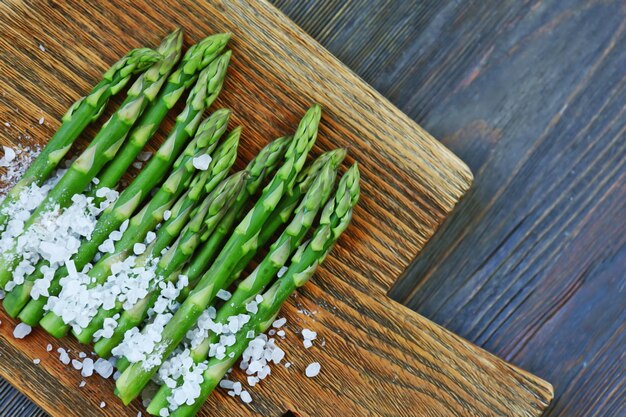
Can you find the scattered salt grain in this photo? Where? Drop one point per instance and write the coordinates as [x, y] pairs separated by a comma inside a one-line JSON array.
[[144, 156], [166, 215], [226, 384], [139, 248], [41, 120], [36, 361], [245, 397], [49, 347], [279, 323], [42, 48], [63, 356], [103, 404], [7, 124], [9, 155], [307, 343], [150, 237], [82, 383], [223, 295], [287, 364], [312, 370], [87, 368], [78, 365], [202, 162], [103, 368], [22, 330], [137, 165], [281, 271], [82, 355]]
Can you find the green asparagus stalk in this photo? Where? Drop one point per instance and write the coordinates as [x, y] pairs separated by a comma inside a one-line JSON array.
[[79, 115], [135, 378], [334, 220], [257, 170], [152, 213], [139, 189], [196, 58], [101, 150], [219, 167], [284, 210], [279, 253]]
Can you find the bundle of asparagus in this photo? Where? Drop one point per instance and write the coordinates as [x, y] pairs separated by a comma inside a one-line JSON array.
[[142, 270]]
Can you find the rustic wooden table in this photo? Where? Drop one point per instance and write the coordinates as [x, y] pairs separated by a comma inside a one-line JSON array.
[[531, 94]]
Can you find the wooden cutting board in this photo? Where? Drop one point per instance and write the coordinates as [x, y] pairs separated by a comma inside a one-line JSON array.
[[379, 358]]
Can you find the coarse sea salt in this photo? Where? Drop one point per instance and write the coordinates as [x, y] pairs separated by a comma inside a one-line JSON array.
[[22, 330], [145, 345], [202, 162], [313, 370]]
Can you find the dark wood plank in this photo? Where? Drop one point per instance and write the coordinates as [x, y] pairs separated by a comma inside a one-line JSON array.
[[531, 95]]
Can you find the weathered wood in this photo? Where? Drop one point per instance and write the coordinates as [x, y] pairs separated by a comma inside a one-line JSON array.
[[379, 358]]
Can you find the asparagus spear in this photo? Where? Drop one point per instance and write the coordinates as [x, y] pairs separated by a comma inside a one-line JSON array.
[[219, 167], [334, 220], [135, 378], [256, 171], [196, 58], [152, 213], [136, 192], [101, 150], [79, 115], [279, 253]]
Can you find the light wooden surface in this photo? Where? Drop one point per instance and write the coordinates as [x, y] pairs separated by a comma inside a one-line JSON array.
[[379, 358]]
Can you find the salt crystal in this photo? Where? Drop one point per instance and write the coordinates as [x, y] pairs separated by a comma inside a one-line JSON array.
[[7, 124], [226, 384], [41, 120], [42, 48], [22, 330], [166, 215], [36, 361], [78, 365], [282, 271], [250, 334], [49, 347], [9, 156], [309, 334], [164, 412], [103, 368], [312, 370], [202, 162], [150, 236], [137, 165], [237, 388], [139, 414], [103, 404], [279, 323], [287, 364], [139, 248], [281, 333], [63, 356], [245, 397], [87, 368], [307, 343], [223, 294], [144, 156], [82, 383]]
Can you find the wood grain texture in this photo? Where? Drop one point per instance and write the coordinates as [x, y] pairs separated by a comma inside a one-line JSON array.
[[531, 95], [379, 358]]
